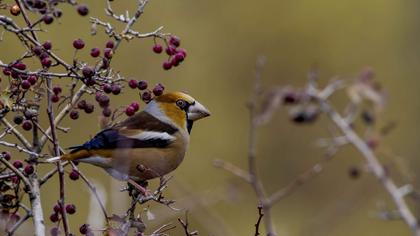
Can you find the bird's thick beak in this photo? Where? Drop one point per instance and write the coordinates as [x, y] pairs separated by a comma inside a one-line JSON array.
[[197, 111]]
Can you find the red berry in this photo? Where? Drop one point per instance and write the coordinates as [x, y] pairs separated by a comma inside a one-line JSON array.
[[103, 100], [74, 114], [129, 111], [84, 229], [43, 55], [89, 108], [107, 88], [57, 208], [47, 45], [25, 84], [54, 217], [57, 90], [37, 50], [175, 41], [132, 83], [18, 119], [17, 164], [19, 66], [48, 19], [174, 62], [110, 44], [90, 81], [108, 53], [290, 97], [116, 89], [146, 96], [179, 56], [6, 156], [88, 71], [14, 179], [78, 44], [107, 112], [170, 50], [158, 90], [83, 10], [95, 52], [15, 74], [82, 104], [167, 65], [29, 169], [55, 98], [142, 84], [71, 209], [32, 79], [135, 106], [183, 51], [46, 62], [39, 4], [57, 13], [27, 125], [74, 175], [7, 71], [157, 48]]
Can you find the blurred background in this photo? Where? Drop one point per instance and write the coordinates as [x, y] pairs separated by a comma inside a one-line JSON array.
[[223, 40]]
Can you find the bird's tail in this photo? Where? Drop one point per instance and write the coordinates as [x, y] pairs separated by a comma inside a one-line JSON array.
[[74, 155]]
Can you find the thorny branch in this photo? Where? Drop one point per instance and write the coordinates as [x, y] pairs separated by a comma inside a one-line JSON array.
[[22, 102]]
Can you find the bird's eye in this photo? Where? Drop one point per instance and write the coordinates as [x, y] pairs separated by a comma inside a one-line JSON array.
[[181, 104]]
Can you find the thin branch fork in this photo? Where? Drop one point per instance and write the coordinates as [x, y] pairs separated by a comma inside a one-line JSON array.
[[373, 162], [252, 143], [185, 225]]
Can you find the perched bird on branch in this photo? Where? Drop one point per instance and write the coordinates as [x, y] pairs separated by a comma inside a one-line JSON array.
[[148, 145]]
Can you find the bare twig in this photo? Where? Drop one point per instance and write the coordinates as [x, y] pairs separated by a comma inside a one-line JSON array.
[[18, 135], [185, 225], [227, 166], [376, 167], [57, 153], [93, 189], [12, 230], [260, 216]]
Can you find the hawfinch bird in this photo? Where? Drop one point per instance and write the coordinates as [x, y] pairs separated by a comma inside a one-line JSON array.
[[147, 145]]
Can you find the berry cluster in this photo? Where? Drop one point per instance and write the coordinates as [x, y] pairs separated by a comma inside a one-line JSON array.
[[303, 111], [25, 121], [10, 187], [20, 80], [175, 53], [30, 89], [47, 9], [55, 216]]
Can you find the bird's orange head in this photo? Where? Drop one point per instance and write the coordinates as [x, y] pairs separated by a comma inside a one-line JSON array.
[[177, 108]]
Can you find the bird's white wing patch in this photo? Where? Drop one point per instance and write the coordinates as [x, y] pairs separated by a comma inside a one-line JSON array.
[[150, 135]]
